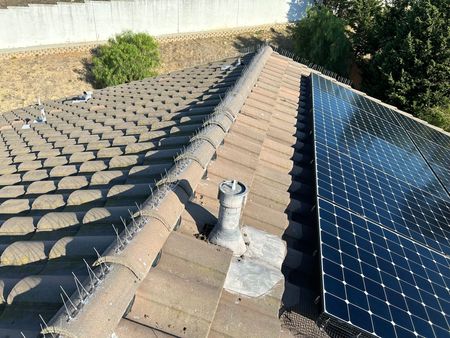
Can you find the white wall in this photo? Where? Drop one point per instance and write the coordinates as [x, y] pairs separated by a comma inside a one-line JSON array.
[[99, 20]]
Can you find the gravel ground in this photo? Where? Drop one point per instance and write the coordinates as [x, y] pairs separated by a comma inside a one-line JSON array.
[[52, 76]]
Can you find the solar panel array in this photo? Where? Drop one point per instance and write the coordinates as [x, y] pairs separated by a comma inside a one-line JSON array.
[[384, 215]]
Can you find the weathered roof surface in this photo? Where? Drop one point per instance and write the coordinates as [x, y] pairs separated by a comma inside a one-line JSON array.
[[64, 183], [262, 149], [268, 147], [148, 157]]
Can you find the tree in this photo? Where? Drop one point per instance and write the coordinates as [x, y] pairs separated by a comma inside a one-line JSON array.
[[361, 17], [413, 61], [126, 57], [338, 7], [321, 38]]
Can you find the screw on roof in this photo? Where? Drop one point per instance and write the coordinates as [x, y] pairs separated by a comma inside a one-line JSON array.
[[42, 118], [26, 125]]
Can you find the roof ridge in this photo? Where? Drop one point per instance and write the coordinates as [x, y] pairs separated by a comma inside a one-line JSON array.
[[126, 263]]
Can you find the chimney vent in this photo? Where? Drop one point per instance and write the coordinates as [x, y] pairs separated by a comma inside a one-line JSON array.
[[227, 232]]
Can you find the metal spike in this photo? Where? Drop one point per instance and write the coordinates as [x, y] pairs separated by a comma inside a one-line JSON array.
[[119, 241], [131, 214], [127, 232], [101, 265], [69, 316], [138, 207], [91, 274], [45, 324], [68, 298], [80, 288]]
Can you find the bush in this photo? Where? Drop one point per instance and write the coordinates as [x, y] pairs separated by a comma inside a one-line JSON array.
[[438, 116], [126, 57], [321, 38]]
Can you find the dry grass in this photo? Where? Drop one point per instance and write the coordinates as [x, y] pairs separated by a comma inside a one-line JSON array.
[[53, 76]]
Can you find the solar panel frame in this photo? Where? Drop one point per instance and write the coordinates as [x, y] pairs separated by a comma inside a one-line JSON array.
[[420, 326]]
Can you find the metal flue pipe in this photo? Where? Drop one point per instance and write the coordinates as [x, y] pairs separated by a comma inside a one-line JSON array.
[[227, 232]]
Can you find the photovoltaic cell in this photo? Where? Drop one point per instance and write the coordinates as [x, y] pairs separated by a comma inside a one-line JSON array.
[[379, 281], [429, 133], [383, 198], [384, 216], [354, 99], [368, 138], [437, 156]]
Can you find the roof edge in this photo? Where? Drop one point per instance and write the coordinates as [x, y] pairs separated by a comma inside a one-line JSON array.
[[96, 310]]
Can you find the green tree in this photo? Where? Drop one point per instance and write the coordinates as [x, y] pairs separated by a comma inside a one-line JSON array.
[[126, 57], [361, 17], [413, 61], [338, 7], [321, 38]]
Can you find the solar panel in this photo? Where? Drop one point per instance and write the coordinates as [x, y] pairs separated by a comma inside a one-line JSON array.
[[384, 217], [422, 129], [438, 158], [355, 100], [379, 281], [383, 198], [373, 140]]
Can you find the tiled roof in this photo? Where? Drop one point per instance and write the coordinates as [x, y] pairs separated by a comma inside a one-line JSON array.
[[65, 182], [148, 157], [264, 150]]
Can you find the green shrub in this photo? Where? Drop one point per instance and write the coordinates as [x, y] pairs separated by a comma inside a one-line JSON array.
[[126, 57], [438, 116], [321, 38]]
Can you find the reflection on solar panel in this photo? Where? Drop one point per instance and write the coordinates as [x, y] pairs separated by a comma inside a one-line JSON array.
[[420, 128], [437, 156], [380, 281], [384, 216]]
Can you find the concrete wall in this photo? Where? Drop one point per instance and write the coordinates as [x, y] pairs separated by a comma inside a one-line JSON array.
[[99, 20]]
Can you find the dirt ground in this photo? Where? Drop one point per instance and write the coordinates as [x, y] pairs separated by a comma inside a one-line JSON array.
[[52, 76]]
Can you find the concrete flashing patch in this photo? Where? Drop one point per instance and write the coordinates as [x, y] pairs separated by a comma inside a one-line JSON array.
[[258, 270]]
